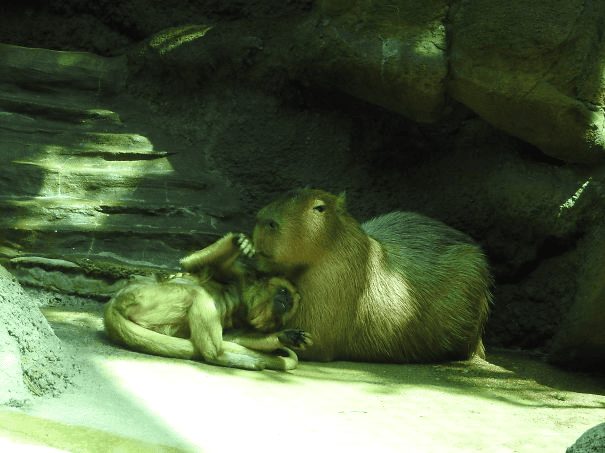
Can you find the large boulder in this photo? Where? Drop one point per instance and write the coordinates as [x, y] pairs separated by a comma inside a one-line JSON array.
[[533, 68], [392, 54], [530, 68], [580, 343], [33, 360], [592, 441]]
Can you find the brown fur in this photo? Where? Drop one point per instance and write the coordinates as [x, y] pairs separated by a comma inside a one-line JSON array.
[[184, 316], [400, 288]]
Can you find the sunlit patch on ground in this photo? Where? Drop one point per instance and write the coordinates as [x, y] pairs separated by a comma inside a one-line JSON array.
[[509, 404]]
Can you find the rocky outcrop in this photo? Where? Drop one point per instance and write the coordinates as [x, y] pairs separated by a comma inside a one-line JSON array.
[[533, 68], [77, 179], [592, 441], [580, 342], [65, 69], [393, 54], [530, 68], [34, 361]]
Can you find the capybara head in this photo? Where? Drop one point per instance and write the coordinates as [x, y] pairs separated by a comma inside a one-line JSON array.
[[271, 303], [298, 229]]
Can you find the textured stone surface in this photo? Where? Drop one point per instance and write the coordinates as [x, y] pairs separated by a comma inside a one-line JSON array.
[[33, 361], [74, 171], [592, 441], [76, 69], [392, 54], [580, 343], [535, 70]]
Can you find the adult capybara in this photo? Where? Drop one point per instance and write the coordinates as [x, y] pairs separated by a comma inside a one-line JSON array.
[[399, 288]]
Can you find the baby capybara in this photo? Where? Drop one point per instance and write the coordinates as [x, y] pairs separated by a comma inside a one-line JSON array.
[[399, 288]]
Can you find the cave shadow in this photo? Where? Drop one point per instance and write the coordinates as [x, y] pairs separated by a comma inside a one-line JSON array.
[[506, 376]]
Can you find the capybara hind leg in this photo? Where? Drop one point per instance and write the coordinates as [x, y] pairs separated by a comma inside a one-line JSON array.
[[480, 352]]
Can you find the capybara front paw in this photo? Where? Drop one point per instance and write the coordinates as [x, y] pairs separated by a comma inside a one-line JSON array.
[[295, 338], [245, 245]]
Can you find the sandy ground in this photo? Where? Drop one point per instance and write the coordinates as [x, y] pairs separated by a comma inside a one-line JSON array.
[[127, 402]]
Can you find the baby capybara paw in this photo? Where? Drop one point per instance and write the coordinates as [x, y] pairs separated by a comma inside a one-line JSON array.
[[295, 338]]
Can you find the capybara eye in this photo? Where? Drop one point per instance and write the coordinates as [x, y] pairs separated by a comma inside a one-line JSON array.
[[283, 301], [320, 208], [271, 225]]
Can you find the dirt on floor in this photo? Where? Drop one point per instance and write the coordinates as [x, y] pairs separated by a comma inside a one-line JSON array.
[[126, 401]]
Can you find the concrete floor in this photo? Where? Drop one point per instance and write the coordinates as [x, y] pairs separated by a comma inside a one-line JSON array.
[[129, 402]]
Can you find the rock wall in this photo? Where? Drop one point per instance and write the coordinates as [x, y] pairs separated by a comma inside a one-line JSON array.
[[533, 69], [77, 175]]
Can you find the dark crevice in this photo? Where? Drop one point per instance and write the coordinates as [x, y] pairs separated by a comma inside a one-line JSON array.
[[119, 156], [549, 248]]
